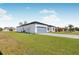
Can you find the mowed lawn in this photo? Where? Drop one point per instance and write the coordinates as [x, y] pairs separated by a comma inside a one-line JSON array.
[[71, 33], [33, 44]]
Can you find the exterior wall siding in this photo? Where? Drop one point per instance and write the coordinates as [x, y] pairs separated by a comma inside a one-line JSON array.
[[29, 28], [39, 25], [32, 28], [51, 29]]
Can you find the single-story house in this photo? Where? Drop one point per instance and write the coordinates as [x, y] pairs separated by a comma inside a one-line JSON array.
[[35, 27], [9, 29], [6, 29]]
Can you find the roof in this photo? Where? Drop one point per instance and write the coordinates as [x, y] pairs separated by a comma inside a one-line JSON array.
[[35, 22]]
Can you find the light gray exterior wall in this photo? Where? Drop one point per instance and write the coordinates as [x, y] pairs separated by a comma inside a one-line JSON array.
[[32, 28], [28, 28], [37, 25], [51, 29], [19, 29]]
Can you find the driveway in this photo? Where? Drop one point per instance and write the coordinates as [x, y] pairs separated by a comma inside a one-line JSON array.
[[61, 35]]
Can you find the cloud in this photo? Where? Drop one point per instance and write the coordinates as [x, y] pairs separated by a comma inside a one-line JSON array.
[[47, 11], [2, 12], [50, 19], [4, 16], [51, 16]]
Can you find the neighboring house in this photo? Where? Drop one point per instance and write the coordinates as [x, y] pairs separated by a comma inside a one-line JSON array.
[[6, 29], [9, 29], [12, 29], [35, 27]]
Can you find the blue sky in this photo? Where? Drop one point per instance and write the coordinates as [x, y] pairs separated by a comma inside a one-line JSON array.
[[49, 13]]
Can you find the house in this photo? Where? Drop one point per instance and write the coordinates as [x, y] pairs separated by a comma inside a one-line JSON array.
[[35, 27], [9, 29], [6, 29]]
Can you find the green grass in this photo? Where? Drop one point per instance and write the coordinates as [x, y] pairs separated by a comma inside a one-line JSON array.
[[74, 33], [40, 44]]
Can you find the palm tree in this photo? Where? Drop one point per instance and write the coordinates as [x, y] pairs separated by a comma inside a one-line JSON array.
[[71, 28]]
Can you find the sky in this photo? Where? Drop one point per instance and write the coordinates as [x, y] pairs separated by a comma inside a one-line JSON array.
[[57, 14]]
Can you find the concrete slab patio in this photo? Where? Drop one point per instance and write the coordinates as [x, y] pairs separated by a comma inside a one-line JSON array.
[[61, 35]]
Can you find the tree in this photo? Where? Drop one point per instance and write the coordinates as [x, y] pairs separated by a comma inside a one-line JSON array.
[[25, 22], [58, 29], [1, 29], [6, 28], [76, 29], [66, 28], [20, 23], [71, 28], [11, 29]]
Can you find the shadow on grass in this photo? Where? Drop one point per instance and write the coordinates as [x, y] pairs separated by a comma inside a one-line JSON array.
[[1, 53]]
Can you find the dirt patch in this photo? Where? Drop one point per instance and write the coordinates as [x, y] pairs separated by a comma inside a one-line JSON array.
[[9, 45]]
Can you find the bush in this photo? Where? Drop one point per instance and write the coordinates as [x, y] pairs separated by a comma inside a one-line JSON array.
[[1, 29]]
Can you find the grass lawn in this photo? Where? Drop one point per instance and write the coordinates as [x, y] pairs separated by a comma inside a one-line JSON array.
[[74, 33], [40, 44]]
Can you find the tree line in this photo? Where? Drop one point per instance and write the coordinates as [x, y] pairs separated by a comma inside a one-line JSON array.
[[7, 28], [12, 28], [69, 28]]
